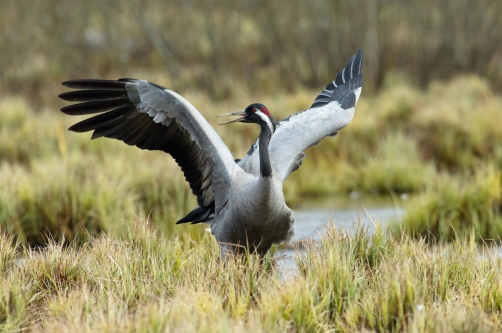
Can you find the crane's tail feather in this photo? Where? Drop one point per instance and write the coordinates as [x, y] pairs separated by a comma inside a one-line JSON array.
[[198, 215]]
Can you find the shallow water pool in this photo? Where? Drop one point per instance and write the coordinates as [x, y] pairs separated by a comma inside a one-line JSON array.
[[313, 216]]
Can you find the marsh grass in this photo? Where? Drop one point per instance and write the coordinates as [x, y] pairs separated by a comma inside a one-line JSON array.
[[454, 207], [349, 281]]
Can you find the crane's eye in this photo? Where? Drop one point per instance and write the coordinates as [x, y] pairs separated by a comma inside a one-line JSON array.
[[254, 110]]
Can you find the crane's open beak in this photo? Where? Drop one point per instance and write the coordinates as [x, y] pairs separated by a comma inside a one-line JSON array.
[[236, 113]]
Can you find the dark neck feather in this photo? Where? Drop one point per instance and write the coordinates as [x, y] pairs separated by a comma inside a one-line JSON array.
[[265, 166]]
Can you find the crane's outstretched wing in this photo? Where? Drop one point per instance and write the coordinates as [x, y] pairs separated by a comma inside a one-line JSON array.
[[154, 118], [331, 111]]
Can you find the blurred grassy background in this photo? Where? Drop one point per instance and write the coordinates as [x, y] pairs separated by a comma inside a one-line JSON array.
[[428, 121], [259, 46]]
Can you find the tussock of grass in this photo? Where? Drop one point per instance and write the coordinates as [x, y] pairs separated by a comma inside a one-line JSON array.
[[457, 134], [458, 206], [8, 251], [391, 169], [347, 282]]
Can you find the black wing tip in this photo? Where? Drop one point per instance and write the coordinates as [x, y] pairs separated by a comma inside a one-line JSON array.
[[86, 108], [70, 96], [75, 128], [92, 95], [127, 79], [72, 83], [353, 67], [68, 110], [96, 84], [69, 83], [358, 63], [65, 97], [345, 82]]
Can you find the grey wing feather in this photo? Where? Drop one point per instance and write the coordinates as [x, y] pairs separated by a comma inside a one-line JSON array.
[[251, 162], [331, 111], [154, 118]]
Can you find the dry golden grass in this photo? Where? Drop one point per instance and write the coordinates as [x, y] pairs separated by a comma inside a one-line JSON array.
[[151, 283]]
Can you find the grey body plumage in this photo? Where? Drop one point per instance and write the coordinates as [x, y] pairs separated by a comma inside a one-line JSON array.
[[241, 200]]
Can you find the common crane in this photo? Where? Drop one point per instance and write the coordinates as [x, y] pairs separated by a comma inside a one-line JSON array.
[[241, 200]]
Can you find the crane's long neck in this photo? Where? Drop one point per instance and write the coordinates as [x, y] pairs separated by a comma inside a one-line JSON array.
[[265, 166]]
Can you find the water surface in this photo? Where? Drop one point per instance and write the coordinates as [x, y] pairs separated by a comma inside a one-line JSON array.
[[313, 216]]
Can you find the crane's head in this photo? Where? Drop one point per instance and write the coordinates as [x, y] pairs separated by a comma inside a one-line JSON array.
[[255, 113]]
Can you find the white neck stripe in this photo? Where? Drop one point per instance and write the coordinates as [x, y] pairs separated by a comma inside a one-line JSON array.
[[266, 119]]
